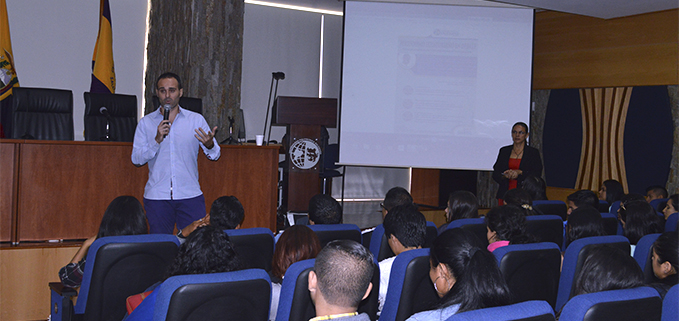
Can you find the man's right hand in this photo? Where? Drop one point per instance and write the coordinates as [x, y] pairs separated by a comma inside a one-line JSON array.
[[163, 130]]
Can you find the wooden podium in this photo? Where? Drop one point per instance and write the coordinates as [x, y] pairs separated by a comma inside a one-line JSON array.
[[303, 118]]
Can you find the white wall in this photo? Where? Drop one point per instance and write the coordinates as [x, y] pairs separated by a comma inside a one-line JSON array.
[[53, 42]]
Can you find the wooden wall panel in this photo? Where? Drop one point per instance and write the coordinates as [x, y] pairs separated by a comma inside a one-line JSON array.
[[574, 51], [7, 189], [424, 186]]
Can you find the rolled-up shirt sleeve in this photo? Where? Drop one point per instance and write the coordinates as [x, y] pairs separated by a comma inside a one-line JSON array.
[[144, 147]]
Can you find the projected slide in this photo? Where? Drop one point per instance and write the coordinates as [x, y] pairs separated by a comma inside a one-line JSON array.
[[433, 86]]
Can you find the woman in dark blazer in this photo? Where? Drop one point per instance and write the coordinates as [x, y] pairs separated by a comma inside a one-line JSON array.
[[516, 162]]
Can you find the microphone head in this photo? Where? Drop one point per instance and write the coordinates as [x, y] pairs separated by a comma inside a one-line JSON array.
[[167, 107], [279, 75], [102, 110]]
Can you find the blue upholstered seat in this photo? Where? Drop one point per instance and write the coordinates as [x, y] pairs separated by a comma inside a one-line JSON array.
[[254, 245], [642, 303], [642, 254], [529, 310]]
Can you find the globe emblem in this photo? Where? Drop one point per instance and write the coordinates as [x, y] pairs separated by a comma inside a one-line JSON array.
[[305, 153]]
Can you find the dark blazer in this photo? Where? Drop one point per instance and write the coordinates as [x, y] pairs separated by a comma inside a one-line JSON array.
[[531, 165]]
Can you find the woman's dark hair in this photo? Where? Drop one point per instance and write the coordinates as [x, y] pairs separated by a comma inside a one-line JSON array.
[[520, 198], [479, 282], [536, 187], [206, 250], [463, 204], [124, 216], [675, 201], [607, 268], [666, 249], [614, 191], [628, 199], [640, 219], [509, 221], [584, 221], [297, 243], [522, 124]]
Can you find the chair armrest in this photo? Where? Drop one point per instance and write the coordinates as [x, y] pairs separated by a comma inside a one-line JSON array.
[[63, 290]]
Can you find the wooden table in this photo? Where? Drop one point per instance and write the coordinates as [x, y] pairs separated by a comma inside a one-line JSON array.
[[53, 190]]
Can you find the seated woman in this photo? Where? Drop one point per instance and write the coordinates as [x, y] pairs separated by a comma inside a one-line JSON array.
[[607, 268], [522, 199], [506, 225], [206, 250], [665, 259], [536, 187], [638, 218], [584, 221], [465, 275], [297, 243], [461, 204], [672, 206], [123, 216], [611, 191]]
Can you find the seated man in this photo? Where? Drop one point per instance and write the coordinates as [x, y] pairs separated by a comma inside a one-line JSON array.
[[655, 192], [226, 213], [340, 281], [323, 209], [405, 229], [395, 196], [581, 198]]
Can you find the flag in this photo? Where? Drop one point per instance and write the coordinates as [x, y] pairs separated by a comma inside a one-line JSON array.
[[8, 76], [103, 72]]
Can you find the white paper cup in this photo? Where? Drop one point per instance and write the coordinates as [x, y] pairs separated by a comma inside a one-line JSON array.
[[259, 139]]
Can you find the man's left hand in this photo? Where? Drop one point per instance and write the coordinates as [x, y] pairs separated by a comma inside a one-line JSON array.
[[206, 138]]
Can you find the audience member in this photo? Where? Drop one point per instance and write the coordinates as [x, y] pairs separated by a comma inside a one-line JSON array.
[[297, 243], [506, 225], [323, 209], [405, 229], [536, 187], [206, 250], [665, 259], [461, 204], [671, 206], [226, 213], [611, 191], [522, 199], [465, 275], [638, 218], [123, 216], [341, 280], [581, 198], [585, 221], [655, 192], [395, 196]]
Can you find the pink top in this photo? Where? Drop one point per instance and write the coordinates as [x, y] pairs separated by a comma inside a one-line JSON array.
[[498, 244]]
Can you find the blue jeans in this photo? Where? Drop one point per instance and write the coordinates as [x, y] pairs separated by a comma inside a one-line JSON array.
[[163, 214]]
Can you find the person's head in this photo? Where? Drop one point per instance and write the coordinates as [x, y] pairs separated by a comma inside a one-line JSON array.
[[123, 216], [519, 133], [584, 221], [464, 272], [665, 255], [520, 198], [341, 276], [607, 268], [655, 192], [323, 209], [506, 223], [206, 250], [672, 206], [297, 243], [395, 196], [581, 198], [638, 218], [536, 187], [169, 89], [405, 228], [462, 204], [226, 213], [611, 191]]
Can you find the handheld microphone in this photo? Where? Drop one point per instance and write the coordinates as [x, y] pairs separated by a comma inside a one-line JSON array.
[[278, 75], [166, 114], [104, 111]]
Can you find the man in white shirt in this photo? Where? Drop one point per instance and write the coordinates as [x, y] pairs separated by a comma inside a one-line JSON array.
[[405, 229], [172, 193]]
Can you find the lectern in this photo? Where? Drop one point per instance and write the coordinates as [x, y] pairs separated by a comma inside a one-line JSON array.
[[303, 118]]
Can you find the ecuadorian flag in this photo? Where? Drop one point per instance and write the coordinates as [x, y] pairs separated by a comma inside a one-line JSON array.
[[103, 72], [8, 76]]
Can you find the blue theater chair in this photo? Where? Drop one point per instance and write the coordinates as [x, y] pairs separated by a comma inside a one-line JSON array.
[[642, 254], [331, 232], [529, 310], [642, 303], [116, 267], [254, 245]]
